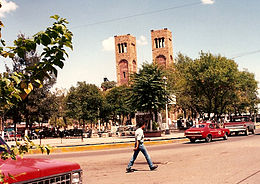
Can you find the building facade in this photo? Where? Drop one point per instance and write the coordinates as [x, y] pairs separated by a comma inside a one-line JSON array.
[[126, 60]]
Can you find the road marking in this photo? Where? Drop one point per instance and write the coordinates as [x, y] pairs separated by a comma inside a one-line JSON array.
[[248, 177]]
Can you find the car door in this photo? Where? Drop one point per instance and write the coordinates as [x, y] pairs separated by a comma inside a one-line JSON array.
[[220, 132], [212, 130]]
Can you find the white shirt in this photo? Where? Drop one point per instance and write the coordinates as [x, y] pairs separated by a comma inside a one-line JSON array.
[[139, 135]]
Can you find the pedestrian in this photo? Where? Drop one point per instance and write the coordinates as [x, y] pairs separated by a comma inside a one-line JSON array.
[[139, 146]]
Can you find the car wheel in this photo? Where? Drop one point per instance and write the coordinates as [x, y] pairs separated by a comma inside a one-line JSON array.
[[209, 138], [192, 140], [225, 136], [247, 132]]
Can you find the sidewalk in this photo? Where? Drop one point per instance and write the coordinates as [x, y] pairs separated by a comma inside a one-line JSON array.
[[76, 144]]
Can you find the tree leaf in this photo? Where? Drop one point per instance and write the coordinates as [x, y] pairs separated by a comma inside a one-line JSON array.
[[29, 88], [56, 17], [45, 39]]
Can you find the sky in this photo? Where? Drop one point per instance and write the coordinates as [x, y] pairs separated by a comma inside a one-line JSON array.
[[230, 28]]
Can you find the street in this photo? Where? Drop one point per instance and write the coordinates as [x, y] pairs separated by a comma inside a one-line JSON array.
[[233, 161]]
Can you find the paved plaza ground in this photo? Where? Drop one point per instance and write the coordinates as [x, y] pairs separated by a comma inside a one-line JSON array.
[[78, 142]]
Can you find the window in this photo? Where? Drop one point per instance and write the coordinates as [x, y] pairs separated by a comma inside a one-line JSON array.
[[119, 48], [198, 126], [156, 43], [212, 126], [122, 47], [125, 47], [159, 42], [124, 75]]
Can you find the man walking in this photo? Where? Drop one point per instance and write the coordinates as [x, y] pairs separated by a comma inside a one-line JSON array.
[[139, 146]]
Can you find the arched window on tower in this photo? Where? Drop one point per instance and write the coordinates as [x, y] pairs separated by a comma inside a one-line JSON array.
[[156, 43], [123, 72], [125, 47], [119, 48], [161, 60], [163, 44], [159, 42], [122, 47]]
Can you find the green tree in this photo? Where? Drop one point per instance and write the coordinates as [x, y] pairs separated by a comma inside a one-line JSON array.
[[148, 92], [33, 107], [108, 85], [56, 104], [178, 85], [84, 102], [16, 86], [52, 43], [246, 98], [117, 99], [213, 84]]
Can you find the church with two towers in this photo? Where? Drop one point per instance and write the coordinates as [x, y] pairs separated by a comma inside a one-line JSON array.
[[126, 56]]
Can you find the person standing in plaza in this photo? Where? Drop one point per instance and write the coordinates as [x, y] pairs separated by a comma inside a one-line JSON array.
[[139, 146]]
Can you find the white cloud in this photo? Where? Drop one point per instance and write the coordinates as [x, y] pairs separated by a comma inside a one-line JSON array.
[[207, 1], [7, 6], [108, 44], [142, 40]]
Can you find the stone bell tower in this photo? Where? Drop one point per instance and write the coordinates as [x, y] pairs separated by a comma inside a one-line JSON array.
[[162, 47], [126, 60]]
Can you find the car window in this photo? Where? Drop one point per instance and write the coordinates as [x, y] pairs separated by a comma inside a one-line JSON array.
[[198, 126], [211, 126]]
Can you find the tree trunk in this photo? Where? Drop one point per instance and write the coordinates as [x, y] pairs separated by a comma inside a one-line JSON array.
[[83, 124], [65, 122], [156, 116]]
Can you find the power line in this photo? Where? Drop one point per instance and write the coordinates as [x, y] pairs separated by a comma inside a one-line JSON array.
[[246, 54], [138, 15]]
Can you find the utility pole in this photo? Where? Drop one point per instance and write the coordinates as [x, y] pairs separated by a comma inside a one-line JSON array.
[[167, 131]]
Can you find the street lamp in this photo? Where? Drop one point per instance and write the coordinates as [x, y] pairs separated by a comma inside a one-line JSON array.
[[98, 120], [167, 131]]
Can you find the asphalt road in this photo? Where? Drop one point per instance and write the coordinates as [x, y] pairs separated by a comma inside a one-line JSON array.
[[235, 161]]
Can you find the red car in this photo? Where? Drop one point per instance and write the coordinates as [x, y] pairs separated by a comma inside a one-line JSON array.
[[39, 171], [206, 131]]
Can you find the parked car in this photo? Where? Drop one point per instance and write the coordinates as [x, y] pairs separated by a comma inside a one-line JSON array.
[[10, 136], [128, 130], [239, 124], [207, 131], [33, 135], [45, 133], [31, 170]]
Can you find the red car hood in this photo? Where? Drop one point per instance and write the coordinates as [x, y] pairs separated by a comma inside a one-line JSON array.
[[28, 168]]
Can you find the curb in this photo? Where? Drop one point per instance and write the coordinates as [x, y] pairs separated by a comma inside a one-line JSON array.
[[106, 146]]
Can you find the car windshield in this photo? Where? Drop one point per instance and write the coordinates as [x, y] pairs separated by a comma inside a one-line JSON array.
[[198, 126]]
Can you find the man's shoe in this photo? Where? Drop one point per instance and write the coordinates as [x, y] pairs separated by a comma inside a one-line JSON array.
[[129, 170], [153, 167]]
